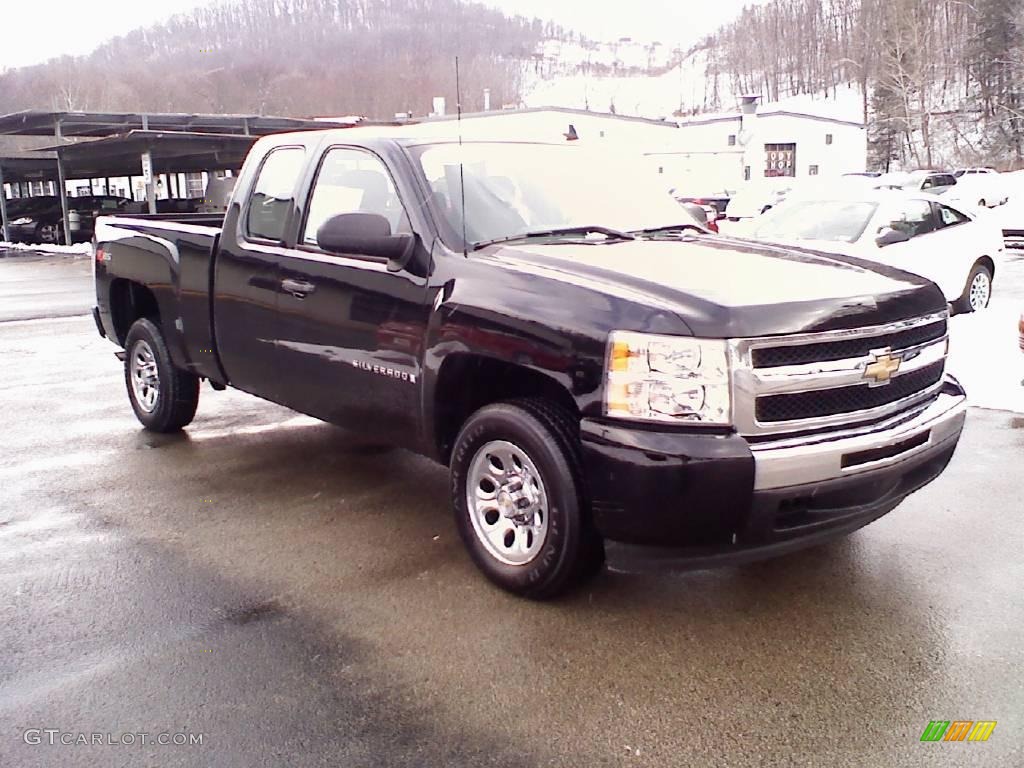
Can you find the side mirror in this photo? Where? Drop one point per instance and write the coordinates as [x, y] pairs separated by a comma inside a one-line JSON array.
[[366, 234], [890, 236]]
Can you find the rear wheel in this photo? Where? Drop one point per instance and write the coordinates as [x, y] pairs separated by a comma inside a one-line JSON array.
[[977, 292], [519, 499], [49, 234], [163, 397]]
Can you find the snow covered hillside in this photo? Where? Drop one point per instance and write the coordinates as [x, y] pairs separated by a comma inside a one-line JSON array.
[[649, 81]]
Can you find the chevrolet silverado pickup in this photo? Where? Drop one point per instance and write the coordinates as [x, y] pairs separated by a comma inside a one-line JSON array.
[[601, 377]]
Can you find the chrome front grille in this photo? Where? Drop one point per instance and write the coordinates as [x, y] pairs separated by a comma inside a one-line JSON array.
[[842, 349], [814, 381], [772, 409]]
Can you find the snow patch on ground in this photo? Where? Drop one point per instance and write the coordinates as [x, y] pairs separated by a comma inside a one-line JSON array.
[[983, 349], [984, 356], [71, 250]]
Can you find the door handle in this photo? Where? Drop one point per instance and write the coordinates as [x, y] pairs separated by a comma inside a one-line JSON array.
[[297, 288]]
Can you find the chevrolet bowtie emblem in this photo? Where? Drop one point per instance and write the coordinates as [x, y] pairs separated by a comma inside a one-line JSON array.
[[880, 370]]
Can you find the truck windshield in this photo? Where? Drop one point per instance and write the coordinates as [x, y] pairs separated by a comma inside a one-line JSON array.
[[516, 189]]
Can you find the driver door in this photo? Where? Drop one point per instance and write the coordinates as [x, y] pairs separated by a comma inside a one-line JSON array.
[[350, 332]]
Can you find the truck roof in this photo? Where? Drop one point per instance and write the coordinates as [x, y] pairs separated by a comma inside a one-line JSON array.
[[397, 135]]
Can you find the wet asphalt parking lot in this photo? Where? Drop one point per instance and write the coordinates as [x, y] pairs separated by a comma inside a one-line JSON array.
[[299, 597]]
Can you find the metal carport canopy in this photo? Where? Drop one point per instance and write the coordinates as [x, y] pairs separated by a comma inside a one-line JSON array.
[[24, 166], [171, 152], [29, 166], [126, 136], [70, 124]]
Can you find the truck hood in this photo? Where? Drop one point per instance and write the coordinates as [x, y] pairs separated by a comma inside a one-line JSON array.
[[727, 288]]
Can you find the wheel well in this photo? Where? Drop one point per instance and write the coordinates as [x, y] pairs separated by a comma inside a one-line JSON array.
[[990, 265], [468, 382], [128, 302]]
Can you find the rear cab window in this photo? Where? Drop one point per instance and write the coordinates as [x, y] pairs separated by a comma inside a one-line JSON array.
[[273, 194]]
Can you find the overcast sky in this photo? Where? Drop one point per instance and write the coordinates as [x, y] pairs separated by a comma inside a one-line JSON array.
[[36, 30]]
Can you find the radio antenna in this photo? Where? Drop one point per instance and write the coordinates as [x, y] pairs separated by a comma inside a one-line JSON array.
[[462, 178]]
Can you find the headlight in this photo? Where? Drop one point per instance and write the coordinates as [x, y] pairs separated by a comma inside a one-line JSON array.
[[667, 378], [21, 222]]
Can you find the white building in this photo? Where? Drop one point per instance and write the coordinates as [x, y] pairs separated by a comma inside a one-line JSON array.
[[763, 143], [541, 124], [705, 154]]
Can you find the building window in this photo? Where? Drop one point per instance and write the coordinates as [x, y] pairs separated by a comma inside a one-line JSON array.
[[813, 170], [828, 139], [780, 160], [732, 139]]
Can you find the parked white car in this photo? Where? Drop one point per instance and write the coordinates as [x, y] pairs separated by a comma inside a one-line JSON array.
[[983, 187], [757, 197], [916, 232], [932, 182]]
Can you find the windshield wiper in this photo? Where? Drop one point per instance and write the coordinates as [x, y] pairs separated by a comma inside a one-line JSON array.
[[608, 232], [670, 229]]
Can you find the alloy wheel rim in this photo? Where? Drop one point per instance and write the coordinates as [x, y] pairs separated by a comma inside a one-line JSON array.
[[507, 502], [981, 286], [145, 376]]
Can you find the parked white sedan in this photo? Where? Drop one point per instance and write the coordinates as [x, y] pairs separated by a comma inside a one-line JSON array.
[[917, 232], [983, 187]]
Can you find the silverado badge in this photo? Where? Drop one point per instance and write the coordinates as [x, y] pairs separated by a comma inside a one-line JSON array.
[[880, 370]]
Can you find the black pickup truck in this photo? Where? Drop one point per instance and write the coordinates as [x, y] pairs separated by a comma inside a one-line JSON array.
[[601, 377]]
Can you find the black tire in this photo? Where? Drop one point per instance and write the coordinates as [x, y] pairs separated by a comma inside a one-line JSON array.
[[572, 551], [177, 391], [58, 237], [963, 304]]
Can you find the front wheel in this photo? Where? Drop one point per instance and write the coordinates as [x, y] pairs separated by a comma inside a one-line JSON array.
[[519, 498], [163, 397], [977, 292]]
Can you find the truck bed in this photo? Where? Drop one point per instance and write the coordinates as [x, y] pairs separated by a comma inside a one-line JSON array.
[[173, 255], [201, 219]]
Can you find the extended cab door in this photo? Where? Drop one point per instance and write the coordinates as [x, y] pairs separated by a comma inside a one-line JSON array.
[[350, 332], [246, 282]]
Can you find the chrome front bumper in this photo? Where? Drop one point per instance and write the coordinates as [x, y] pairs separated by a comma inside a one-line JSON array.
[[796, 461]]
